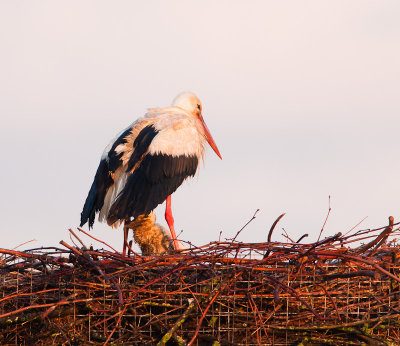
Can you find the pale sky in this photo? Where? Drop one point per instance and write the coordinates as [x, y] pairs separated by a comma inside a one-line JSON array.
[[301, 97]]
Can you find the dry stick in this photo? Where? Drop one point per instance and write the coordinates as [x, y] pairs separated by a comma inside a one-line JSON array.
[[368, 232], [19, 254], [257, 313], [379, 239], [366, 303], [383, 304], [254, 216], [255, 318], [100, 241], [43, 306], [101, 272], [105, 319], [344, 241], [277, 288], [369, 273], [384, 235], [73, 242], [287, 236], [88, 258], [294, 293], [28, 294], [192, 304], [354, 226], [328, 240], [361, 259], [203, 315], [73, 233], [154, 281], [75, 251], [285, 253], [211, 298], [326, 219], [273, 226], [29, 241], [331, 299], [191, 292], [301, 238], [375, 229], [336, 326], [270, 232], [116, 325], [61, 302], [180, 321]]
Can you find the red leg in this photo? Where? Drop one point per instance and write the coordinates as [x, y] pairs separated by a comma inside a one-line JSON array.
[[129, 248], [170, 221], [126, 229]]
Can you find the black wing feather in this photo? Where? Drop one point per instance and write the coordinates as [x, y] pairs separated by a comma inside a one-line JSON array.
[[102, 181], [157, 177], [141, 145], [95, 199]]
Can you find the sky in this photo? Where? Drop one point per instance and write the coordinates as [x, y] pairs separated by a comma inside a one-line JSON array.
[[301, 97]]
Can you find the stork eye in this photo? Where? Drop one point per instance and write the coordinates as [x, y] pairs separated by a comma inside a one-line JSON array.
[[198, 107]]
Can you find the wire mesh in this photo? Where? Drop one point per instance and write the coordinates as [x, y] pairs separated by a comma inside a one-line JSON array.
[[224, 293]]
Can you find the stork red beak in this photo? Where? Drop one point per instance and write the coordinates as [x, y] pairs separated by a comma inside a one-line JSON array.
[[209, 138]]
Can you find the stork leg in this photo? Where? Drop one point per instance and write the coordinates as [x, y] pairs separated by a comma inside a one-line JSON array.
[[126, 230], [170, 221]]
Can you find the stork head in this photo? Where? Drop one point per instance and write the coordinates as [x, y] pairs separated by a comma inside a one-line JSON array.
[[191, 104]]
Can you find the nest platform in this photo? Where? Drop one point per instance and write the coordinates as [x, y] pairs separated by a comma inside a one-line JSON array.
[[224, 293]]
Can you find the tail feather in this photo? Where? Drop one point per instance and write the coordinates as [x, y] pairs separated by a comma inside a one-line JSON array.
[[89, 211], [95, 199]]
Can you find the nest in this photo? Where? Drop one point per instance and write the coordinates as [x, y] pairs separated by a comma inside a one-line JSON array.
[[225, 293]]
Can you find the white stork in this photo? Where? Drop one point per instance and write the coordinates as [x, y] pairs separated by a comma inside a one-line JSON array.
[[146, 163]]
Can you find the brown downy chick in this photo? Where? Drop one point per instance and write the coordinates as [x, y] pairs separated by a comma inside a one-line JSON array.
[[151, 237]]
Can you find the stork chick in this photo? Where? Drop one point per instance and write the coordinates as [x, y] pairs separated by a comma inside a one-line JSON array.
[[151, 237]]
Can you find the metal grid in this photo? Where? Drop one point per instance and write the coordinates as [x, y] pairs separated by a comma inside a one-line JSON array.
[[224, 293]]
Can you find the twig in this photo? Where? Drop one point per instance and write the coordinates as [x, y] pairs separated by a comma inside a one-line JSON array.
[[211, 298], [73, 233], [191, 306], [380, 238], [356, 225], [286, 235], [273, 226], [326, 219], [116, 325], [29, 241], [101, 272], [100, 241], [254, 216], [301, 238], [320, 285], [328, 240], [271, 230]]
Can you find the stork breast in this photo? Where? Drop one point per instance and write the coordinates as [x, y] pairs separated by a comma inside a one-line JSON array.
[[177, 141]]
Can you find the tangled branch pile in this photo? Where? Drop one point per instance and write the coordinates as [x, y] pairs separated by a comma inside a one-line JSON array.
[[223, 293]]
